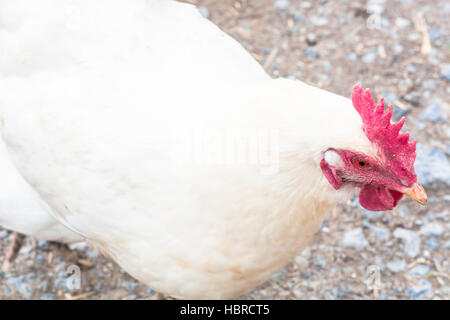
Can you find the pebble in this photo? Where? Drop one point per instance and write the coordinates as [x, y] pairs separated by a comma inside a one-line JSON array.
[[3, 234], [40, 258], [277, 275], [420, 270], [310, 53], [319, 21], [129, 286], [354, 238], [410, 68], [320, 261], [327, 66], [343, 291], [414, 37], [352, 56], [298, 17], [42, 244], [79, 246], [204, 12], [398, 49], [381, 233], [447, 245], [404, 210], [422, 290], [429, 84], [389, 97], [432, 243], [435, 34], [47, 296], [433, 112], [26, 250], [431, 165], [370, 56], [432, 229], [396, 265], [445, 72], [281, 4], [375, 6], [311, 39], [402, 22], [410, 239], [412, 97], [306, 5], [371, 215]]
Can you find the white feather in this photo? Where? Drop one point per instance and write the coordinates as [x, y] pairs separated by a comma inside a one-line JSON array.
[[89, 113]]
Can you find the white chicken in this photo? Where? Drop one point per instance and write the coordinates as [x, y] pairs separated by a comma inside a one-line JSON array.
[[107, 110]]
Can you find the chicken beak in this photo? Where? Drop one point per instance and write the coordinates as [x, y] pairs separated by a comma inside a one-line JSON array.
[[417, 193]]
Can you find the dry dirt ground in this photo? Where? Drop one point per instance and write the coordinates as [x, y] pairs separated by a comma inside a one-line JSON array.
[[400, 49]]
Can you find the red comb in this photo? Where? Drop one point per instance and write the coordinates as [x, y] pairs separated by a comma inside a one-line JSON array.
[[379, 129]]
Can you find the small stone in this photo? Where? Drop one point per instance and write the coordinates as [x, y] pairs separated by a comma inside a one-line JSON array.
[[343, 290], [381, 233], [397, 265], [433, 112], [447, 245], [414, 36], [352, 56], [92, 253], [3, 234], [435, 34], [277, 275], [431, 165], [375, 6], [43, 286], [98, 287], [370, 56], [26, 250], [298, 17], [319, 21], [398, 49], [310, 53], [389, 97], [79, 246], [42, 244], [371, 215], [410, 239], [47, 296], [432, 229], [404, 210], [204, 12], [320, 261], [421, 290], [445, 72], [281, 4], [311, 39], [354, 238], [410, 68], [40, 258], [432, 243], [402, 22], [306, 5], [412, 97], [429, 84], [129, 286], [420, 270]]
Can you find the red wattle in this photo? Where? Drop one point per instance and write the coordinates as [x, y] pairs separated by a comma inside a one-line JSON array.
[[378, 198]]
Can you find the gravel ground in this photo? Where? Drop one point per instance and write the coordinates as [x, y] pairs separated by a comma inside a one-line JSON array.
[[400, 49]]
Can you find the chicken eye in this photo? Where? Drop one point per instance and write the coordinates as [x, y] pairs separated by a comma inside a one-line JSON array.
[[360, 163]]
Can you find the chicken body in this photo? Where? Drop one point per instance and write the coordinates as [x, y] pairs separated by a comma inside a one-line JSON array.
[[92, 110]]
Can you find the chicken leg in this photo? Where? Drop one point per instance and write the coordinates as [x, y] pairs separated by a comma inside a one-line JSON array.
[[14, 247]]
